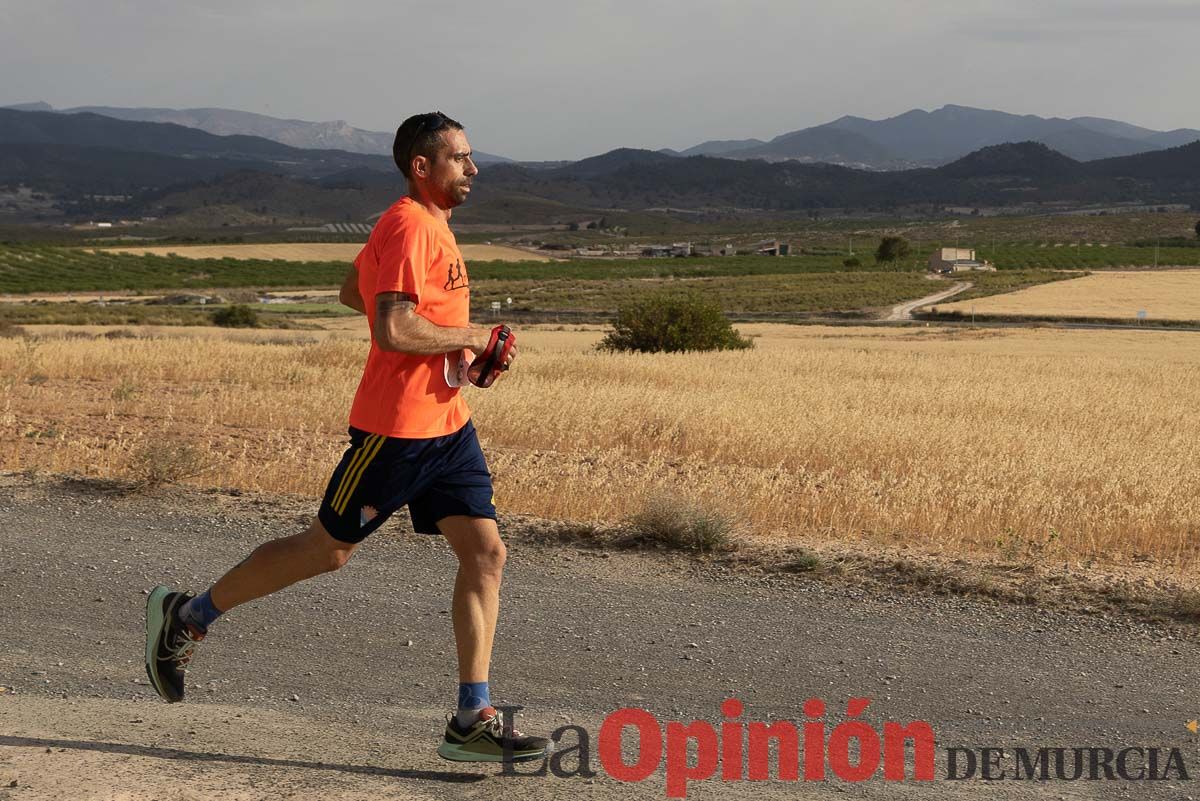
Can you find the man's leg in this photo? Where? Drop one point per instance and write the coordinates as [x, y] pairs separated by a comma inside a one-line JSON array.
[[481, 555], [476, 733], [281, 563], [176, 621]]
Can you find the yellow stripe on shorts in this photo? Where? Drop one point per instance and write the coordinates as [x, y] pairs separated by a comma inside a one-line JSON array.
[[350, 468], [355, 472]]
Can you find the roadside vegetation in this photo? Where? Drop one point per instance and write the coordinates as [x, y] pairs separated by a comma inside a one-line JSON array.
[[954, 441]]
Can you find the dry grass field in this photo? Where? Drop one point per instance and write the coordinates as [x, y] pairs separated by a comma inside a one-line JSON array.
[[1030, 444], [317, 251], [1163, 295]]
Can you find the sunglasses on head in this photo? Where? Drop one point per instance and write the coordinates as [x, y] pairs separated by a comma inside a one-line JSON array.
[[429, 123]]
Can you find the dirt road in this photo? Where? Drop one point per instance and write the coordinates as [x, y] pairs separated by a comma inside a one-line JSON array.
[[904, 310], [336, 688]]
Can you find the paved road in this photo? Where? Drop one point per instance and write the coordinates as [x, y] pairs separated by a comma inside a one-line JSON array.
[[315, 693]]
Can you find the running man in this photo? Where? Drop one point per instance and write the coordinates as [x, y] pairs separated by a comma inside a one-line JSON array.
[[412, 444]]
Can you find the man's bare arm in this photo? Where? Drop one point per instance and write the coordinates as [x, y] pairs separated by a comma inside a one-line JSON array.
[[399, 328], [349, 295]]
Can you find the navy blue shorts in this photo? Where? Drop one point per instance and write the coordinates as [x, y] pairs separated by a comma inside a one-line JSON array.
[[435, 478]]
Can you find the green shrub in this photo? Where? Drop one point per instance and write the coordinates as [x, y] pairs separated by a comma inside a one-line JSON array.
[[852, 262], [236, 316], [164, 461], [672, 323], [683, 525], [892, 248]]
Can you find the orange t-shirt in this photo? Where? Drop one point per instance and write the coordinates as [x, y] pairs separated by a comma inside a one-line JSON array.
[[400, 394]]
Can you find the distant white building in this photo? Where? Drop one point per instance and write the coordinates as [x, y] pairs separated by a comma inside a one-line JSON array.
[[772, 247], [956, 260]]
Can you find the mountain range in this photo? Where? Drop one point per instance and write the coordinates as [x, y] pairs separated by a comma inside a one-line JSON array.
[[94, 166], [334, 135], [931, 138]]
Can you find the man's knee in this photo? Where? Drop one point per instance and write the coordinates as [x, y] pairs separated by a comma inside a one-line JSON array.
[[330, 553], [487, 558], [337, 557]]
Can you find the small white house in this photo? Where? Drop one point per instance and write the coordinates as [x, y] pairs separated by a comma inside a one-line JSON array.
[[956, 260]]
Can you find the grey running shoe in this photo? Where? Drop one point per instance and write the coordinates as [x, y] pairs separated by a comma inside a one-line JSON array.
[[485, 741], [169, 642]]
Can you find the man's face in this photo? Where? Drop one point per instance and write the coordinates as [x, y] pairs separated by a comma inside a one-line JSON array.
[[451, 171]]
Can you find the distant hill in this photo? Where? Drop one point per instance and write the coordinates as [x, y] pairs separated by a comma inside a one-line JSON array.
[[76, 170], [1177, 166], [999, 175], [1180, 136], [932, 138], [38, 106], [1030, 160], [719, 147], [95, 130], [92, 164], [335, 135], [827, 145], [621, 158]]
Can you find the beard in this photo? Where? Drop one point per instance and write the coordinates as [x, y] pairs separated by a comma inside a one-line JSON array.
[[458, 193]]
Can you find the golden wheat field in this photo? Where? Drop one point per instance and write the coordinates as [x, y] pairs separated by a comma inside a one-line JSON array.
[[1075, 445], [1163, 295], [316, 251]]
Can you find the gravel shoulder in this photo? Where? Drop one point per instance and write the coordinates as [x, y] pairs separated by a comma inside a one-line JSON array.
[[316, 693]]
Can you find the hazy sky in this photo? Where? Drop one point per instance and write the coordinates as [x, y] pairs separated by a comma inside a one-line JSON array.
[[554, 80]]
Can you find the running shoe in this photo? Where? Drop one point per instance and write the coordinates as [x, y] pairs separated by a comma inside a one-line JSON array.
[[169, 642], [484, 741]]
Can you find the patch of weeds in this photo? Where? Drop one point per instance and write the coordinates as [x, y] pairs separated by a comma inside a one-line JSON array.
[[575, 532], [1185, 606], [164, 461], [49, 432], [801, 562], [683, 525], [8, 330], [126, 390], [120, 333]]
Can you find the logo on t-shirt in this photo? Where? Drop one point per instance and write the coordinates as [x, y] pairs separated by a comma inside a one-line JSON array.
[[456, 277]]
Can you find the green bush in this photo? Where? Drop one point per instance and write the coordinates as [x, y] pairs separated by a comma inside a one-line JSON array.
[[672, 323], [891, 248], [683, 525], [852, 262], [236, 316], [164, 461]]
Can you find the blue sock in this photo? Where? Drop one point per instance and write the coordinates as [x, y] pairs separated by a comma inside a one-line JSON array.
[[472, 697], [200, 612]]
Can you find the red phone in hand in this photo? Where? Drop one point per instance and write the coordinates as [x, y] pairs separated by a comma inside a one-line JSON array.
[[487, 366]]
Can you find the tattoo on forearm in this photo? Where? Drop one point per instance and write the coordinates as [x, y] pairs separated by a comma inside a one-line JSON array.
[[394, 304]]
